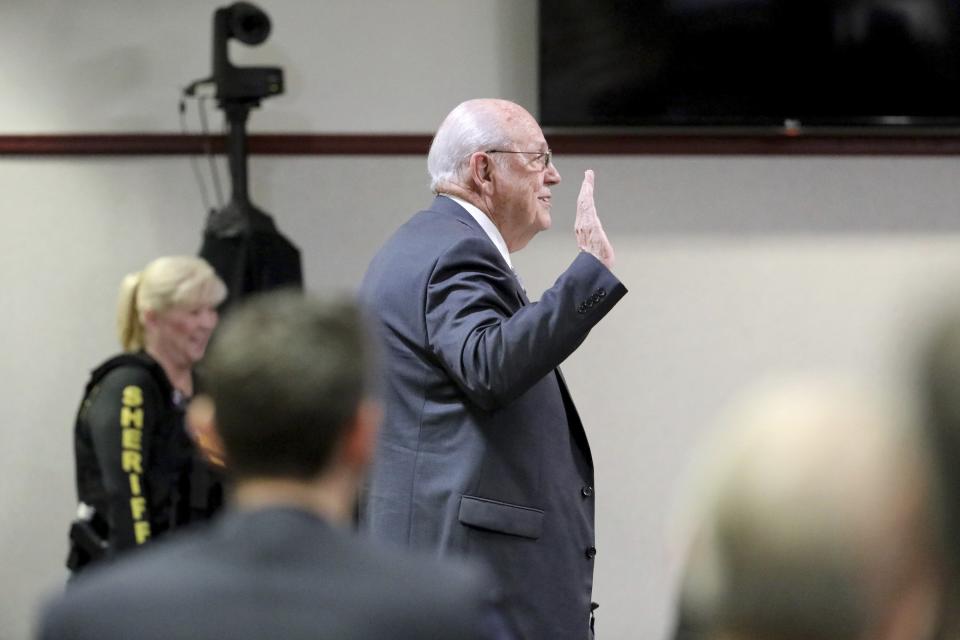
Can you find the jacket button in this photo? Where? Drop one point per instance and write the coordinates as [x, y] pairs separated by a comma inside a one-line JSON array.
[[591, 552], [587, 491], [601, 292], [595, 298]]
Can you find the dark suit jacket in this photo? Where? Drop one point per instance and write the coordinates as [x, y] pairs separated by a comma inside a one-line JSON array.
[[277, 573], [482, 452], [249, 254]]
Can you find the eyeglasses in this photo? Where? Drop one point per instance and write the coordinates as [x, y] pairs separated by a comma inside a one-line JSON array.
[[544, 156]]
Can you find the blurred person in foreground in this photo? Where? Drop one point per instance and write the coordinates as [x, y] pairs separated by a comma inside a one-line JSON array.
[[289, 382], [813, 519], [483, 453], [939, 368], [137, 473]]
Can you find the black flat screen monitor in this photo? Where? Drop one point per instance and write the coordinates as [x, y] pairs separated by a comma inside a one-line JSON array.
[[749, 63]]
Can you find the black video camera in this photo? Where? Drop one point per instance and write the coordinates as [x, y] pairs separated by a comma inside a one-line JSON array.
[[250, 25]]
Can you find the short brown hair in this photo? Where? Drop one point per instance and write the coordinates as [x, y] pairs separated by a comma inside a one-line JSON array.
[[286, 373]]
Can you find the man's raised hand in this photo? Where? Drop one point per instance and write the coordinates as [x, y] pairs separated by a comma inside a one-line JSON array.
[[590, 235]]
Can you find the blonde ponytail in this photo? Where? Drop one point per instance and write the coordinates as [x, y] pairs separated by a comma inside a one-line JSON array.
[[129, 325]]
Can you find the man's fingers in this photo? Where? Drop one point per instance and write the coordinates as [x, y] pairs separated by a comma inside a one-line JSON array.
[[588, 230], [585, 203], [587, 180]]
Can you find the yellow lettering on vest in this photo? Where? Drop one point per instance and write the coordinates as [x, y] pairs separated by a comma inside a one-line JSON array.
[[141, 531], [131, 417], [132, 396], [138, 506], [131, 462], [132, 439]]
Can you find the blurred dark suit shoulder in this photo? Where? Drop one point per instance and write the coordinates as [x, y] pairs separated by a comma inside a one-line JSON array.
[[272, 573]]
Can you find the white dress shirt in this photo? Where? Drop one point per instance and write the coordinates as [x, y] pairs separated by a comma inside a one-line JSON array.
[[487, 225]]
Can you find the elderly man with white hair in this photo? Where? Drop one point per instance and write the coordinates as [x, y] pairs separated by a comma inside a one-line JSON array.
[[482, 452]]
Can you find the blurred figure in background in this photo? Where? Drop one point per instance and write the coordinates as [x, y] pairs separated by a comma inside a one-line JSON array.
[[290, 405], [813, 520], [137, 473]]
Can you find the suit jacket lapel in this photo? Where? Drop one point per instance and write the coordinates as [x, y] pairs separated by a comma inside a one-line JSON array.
[[442, 204], [521, 294]]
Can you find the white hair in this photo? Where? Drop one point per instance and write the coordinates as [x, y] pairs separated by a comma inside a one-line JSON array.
[[474, 125]]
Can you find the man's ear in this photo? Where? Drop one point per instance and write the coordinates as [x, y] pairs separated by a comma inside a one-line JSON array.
[[202, 426], [481, 170], [360, 438]]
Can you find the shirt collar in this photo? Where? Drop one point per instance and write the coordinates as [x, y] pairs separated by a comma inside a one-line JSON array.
[[487, 225]]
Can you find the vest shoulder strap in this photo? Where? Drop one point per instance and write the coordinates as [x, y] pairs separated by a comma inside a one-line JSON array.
[[138, 359]]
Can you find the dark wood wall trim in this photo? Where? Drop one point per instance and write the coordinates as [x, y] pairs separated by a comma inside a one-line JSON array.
[[787, 145], [418, 144], [175, 144]]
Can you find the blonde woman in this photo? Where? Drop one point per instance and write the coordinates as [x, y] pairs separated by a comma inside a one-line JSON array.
[[134, 457]]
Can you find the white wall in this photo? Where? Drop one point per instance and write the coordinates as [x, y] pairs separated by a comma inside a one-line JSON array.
[[110, 65], [736, 266]]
